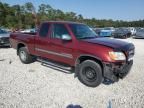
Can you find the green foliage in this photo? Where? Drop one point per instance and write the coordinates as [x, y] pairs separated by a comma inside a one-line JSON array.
[[25, 16]]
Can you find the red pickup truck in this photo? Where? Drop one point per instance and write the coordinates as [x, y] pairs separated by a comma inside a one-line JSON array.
[[75, 45]]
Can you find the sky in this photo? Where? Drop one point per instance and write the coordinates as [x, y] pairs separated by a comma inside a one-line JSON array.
[[127, 10]]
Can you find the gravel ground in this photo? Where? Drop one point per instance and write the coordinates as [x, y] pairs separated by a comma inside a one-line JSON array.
[[37, 86]]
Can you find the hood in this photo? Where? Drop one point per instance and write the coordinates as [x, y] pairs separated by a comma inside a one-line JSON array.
[[113, 43], [4, 35], [140, 34]]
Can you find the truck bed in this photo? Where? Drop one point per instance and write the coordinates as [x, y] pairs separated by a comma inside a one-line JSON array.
[[29, 33], [25, 38]]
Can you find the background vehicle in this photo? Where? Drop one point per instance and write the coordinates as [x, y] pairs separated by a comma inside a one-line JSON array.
[[112, 29], [139, 34], [132, 30], [107, 31], [28, 31], [121, 33], [77, 46], [4, 38], [98, 30]]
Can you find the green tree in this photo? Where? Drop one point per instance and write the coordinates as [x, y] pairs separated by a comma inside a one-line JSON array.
[[25, 16]]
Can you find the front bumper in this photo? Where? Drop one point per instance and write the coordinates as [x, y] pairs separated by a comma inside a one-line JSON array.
[[114, 72], [138, 37], [4, 41]]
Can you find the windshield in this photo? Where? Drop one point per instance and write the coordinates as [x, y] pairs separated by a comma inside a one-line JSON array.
[[140, 30], [82, 31]]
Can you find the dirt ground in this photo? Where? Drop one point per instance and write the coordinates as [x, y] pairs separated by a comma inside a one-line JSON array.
[[37, 86]]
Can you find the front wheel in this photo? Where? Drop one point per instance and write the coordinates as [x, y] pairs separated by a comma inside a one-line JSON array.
[[24, 56], [90, 73]]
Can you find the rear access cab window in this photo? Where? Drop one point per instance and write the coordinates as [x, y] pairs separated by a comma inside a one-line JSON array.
[[44, 29]]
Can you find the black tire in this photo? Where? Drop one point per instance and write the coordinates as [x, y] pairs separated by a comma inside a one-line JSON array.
[[125, 36], [90, 73], [24, 56], [129, 34]]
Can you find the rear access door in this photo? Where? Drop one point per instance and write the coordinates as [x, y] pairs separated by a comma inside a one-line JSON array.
[[42, 41]]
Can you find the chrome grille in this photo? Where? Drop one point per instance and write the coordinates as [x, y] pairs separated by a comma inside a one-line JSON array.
[[5, 39]]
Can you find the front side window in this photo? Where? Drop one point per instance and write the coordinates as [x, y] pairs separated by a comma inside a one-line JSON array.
[[44, 30], [59, 30], [82, 31]]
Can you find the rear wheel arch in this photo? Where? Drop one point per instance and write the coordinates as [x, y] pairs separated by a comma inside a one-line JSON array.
[[20, 45]]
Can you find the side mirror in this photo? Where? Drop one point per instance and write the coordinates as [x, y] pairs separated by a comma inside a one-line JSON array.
[[66, 37]]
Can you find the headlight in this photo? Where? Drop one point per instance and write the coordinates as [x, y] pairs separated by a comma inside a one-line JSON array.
[[117, 56]]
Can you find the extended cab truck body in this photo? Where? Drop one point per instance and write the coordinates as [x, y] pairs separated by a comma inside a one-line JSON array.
[[76, 45]]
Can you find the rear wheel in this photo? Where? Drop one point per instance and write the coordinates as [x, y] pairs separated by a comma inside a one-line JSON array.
[[90, 73], [24, 56]]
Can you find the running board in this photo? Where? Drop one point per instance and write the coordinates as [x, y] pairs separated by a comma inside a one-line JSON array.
[[54, 65]]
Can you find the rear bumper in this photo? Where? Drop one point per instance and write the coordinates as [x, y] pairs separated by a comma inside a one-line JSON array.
[[114, 72]]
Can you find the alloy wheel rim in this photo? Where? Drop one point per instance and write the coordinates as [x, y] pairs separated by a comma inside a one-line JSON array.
[[23, 55]]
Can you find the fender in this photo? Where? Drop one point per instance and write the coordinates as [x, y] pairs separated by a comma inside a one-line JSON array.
[[88, 55]]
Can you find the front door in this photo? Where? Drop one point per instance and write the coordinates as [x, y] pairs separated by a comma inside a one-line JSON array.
[[62, 50]]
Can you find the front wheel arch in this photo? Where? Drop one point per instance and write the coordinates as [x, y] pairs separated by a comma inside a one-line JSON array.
[[83, 58]]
